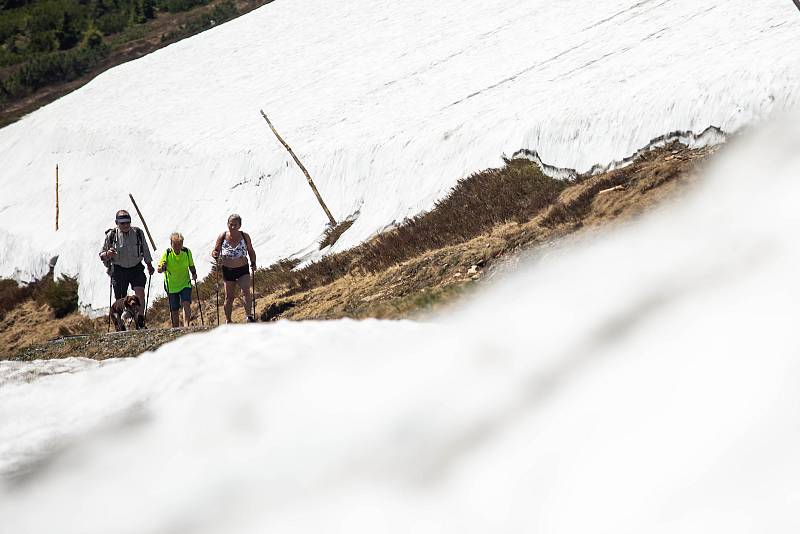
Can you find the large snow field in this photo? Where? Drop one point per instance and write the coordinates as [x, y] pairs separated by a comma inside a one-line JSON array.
[[640, 381], [387, 103]]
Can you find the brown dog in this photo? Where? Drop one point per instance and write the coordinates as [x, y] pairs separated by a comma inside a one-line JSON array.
[[124, 310]]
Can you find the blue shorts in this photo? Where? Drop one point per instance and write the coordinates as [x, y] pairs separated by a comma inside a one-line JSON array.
[[175, 299]]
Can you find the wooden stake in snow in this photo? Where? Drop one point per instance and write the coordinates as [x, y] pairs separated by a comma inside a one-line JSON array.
[[56, 197], [308, 176], [146, 229]]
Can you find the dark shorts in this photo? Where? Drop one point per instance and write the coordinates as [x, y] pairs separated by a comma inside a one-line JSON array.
[[128, 276], [175, 299], [232, 274]]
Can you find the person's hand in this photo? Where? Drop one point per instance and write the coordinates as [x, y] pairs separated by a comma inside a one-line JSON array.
[[161, 267], [215, 254], [194, 277], [150, 269], [253, 267], [110, 253]]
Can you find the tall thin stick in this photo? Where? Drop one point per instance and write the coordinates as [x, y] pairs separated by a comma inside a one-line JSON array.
[[147, 298], [253, 290], [308, 176], [216, 284], [199, 303], [110, 287], [146, 229], [56, 197]]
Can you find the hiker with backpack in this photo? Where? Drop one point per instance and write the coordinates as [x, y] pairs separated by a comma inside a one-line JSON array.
[[124, 249], [177, 263], [231, 251]]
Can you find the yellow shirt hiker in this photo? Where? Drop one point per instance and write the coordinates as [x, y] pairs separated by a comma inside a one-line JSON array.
[[176, 269], [176, 264]]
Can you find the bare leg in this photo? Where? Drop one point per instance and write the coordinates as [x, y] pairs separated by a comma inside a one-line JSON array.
[[174, 316], [244, 284], [187, 313], [230, 294]]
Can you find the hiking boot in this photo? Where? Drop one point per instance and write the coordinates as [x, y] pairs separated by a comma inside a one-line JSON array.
[[251, 319], [140, 322]]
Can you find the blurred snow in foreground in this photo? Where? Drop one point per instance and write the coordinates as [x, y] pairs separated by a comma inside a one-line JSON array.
[[646, 381]]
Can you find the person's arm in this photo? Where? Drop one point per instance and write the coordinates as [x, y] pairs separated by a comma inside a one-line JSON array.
[[162, 263], [105, 254], [191, 265], [251, 251], [148, 258], [217, 246]]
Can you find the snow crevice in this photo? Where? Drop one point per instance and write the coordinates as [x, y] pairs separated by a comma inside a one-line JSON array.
[[708, 137]]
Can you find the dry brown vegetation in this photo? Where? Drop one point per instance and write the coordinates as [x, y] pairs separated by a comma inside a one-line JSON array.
[[32, 322], [60, 295], [436, 257]]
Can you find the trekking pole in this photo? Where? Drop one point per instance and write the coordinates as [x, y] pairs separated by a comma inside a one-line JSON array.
[[216, 284], [147, 298], [110, 286], [253, 290], [199, 303]]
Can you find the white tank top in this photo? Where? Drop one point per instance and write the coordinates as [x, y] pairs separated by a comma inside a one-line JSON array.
[[239, 251]]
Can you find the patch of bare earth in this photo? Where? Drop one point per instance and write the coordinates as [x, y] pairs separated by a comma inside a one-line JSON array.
[[438, 257]]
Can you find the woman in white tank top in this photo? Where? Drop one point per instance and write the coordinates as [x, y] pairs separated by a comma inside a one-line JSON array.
[[231, 252]]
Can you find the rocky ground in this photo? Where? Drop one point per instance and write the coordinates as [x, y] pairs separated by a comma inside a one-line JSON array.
[[103, 346]]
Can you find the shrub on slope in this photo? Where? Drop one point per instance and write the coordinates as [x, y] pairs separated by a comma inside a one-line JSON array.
[[515, 192], [61, 295]]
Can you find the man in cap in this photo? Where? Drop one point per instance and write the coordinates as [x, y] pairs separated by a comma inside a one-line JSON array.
[[123, 250]]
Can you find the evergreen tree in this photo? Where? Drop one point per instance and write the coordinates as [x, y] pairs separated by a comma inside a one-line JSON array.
[[99, 9], [68, 34], [137, 16], [93, 38], [149, 9]]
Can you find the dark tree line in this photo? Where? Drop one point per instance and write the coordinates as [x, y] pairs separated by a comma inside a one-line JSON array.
[[49, 41]]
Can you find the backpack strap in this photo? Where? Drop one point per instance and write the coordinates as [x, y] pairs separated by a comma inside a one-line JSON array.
[[166, 272], [139, 247], [109, 240]]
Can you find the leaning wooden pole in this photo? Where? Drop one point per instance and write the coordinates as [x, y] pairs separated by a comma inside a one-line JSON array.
[[146, 229], [56, 197], [308, 176]]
